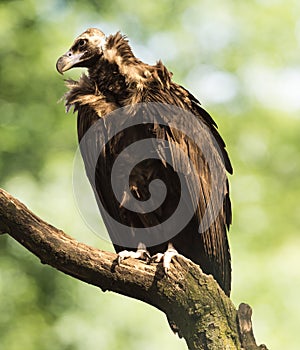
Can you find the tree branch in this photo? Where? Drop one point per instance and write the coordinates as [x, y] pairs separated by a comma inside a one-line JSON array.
[[194, 304]]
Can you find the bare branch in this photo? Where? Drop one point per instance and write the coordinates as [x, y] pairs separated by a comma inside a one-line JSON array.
[[194, 304], [246, 330]]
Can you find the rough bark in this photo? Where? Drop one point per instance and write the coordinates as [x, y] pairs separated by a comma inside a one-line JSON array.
[[193, 302]]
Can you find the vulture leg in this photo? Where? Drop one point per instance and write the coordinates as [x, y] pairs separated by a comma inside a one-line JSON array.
[[166, 257], [141, 253]]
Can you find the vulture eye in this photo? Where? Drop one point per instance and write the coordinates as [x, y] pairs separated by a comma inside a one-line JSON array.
[[81, 43]]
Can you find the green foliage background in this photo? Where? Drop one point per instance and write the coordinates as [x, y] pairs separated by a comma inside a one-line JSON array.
[[241, 58]]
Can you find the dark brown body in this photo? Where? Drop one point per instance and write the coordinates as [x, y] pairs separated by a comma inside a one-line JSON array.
[[118, 79]]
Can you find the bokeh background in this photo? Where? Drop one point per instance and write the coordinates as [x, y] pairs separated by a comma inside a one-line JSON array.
[[241, 58]]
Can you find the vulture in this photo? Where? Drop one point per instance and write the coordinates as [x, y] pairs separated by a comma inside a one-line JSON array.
[[153, 156]]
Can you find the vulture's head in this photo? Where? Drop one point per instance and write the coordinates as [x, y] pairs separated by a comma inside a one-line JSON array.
[[86, 49]]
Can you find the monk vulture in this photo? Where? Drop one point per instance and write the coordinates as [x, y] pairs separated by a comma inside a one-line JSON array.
[[120, 88]]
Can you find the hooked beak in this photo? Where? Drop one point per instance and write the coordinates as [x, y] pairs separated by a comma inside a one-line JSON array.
[[67, 61]]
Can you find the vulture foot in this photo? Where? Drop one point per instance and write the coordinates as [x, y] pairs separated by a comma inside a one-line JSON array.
[[141, 254], [166, 257]]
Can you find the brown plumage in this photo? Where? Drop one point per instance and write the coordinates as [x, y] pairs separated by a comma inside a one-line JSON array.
[[116, 78]]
